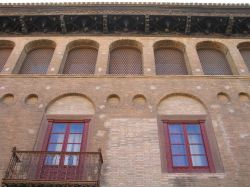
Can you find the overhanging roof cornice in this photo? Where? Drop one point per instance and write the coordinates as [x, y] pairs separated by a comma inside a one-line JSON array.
[[129, 18]]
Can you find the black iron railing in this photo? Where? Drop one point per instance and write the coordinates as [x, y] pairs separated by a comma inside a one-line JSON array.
[[58, 168]]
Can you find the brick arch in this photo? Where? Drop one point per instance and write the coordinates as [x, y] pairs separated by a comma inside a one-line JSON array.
[[181, 104], [36, 44], [126, 43], [213, 58], [7, 43], [189, 108], [169, 58], [80, 57], [82, 42], [169, 44], [244, 48], [6, 47], [125, 58], [36, 57], [65, 107], [212, 45], [70, 104]]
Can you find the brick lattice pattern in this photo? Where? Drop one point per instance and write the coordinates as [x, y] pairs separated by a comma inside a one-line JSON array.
[[81, 61], [214, 62], [4, 54], [37, 61], [125, 61], [170, 62]]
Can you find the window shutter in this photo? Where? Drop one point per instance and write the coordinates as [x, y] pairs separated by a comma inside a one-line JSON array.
[[125, 61], [81, 61], [37, 61], [170, 62], [214, 62]]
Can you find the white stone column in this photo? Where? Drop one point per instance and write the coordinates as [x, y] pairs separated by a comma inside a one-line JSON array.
[[102, 58], [192, 59], [58, 57], [148, 58], [235, 60]]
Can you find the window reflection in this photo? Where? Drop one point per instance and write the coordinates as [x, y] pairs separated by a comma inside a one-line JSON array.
[[52, 160]]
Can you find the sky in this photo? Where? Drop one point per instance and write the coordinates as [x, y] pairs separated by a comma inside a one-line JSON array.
[[177, 1]]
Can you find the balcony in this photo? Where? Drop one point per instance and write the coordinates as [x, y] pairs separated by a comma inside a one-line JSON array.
[[41, 168]]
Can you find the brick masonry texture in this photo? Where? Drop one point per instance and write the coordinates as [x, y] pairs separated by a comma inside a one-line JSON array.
[[129, 134]]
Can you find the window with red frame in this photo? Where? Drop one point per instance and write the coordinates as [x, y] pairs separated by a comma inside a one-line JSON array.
[[64, 142], [65, 136], [187, 147]]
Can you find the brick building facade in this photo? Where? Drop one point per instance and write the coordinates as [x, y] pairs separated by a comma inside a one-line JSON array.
[[138, 80]]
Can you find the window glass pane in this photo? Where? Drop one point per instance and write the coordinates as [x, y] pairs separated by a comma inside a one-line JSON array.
[[176, 139], [178, 149], [200, 160], [193, 139], [55, 147], [175, 128], [73, 148], [75, 138], [59, 128], [52, 160], [197, 149], [180, 161], [56, 138], [71, 160], [193, 129], [76, 128]]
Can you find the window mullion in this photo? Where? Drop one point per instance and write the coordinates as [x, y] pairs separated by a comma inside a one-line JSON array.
[[190, 164], [65, 142]]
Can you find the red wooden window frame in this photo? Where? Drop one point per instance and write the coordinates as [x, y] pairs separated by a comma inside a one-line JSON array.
[[190, 168], [55, 170], [49, 132]]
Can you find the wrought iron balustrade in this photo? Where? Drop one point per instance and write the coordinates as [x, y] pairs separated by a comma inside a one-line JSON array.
[[30, 168]]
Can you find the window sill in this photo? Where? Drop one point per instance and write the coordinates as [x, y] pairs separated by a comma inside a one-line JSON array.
[[196, 175]]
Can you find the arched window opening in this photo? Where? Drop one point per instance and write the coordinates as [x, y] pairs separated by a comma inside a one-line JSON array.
[[125, 58], [37, 61], [37, 57], [81, 61], [125, 61], [213, 59], [170, 61], [187, 142], [244, 49]]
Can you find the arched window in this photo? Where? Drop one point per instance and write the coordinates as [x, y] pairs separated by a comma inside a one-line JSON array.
[[244, 49], [81, 58], [169, 58], [65, 130], [125, 58], [38, 57], [213, 59], [81, 61], [6, 48], [187, 143]]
